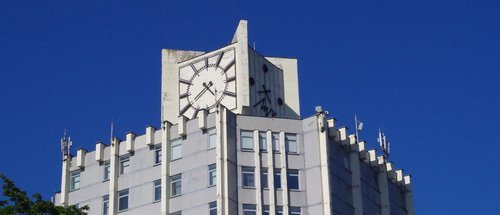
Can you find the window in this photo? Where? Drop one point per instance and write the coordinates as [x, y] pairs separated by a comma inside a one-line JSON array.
[[212, 208], [249, 209], [106, 170], [265, 210], [279, 210], [212, 138], [105, 205], [291, 143], [176, 213], [157, 190], [176, 185], [75, 180], [124, 164], [212, 175], [123, 200], [246, 140], [247, 174], [176, 149], [293, 179], [277, 179], [294, 210], [276, 141], [262, 141], [158, 154], [263, 178]]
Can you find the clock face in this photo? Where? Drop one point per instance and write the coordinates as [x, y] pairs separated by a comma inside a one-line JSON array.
[[204, 83]]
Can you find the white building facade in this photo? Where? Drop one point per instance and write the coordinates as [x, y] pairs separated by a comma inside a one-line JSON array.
[[232, 141]]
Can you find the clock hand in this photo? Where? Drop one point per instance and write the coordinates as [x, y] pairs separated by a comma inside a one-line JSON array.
[[201, 92], [207, 86]]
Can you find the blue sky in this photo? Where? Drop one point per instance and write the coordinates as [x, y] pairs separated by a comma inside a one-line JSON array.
[[426, 72]]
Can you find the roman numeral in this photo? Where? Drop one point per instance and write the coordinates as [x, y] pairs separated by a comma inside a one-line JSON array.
[[230, 79], [184, 81], [229, 93], [184, 95], [219, 59], [229, 66], [194, 68], [184, 109], [195, 113], [206, 63]]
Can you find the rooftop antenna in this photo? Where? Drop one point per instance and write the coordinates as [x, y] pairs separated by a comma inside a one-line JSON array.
[[359, 126], [111, 133], [66, 146], [385, 146]]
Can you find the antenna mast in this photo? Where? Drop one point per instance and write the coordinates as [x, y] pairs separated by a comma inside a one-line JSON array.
[[66, 144], [359, 126], [111, 133], [385, 146]]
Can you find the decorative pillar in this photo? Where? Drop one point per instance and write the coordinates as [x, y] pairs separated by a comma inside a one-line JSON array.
[[165, 168], [384, 188], [357, 196], [114, 167], [270, 173], [324, 167]]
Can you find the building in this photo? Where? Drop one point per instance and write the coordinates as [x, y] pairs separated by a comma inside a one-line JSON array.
[[232, 141]]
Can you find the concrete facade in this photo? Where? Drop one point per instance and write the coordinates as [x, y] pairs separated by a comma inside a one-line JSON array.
[[239, 160]]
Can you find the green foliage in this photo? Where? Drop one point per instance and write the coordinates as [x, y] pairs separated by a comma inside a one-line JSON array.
[[18, 202]]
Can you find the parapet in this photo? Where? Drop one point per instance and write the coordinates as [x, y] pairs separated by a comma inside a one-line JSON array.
[[369, 156]]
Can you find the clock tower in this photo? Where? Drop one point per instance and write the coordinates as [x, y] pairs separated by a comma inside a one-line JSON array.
[[235, 76]]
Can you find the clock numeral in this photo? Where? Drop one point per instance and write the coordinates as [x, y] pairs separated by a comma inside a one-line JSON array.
[[184, 95], [219, 59], [195, 113], [230, 79], [206, 63], [185, 81], [229, 93], [229, 66], [184, 109], [194, 69]]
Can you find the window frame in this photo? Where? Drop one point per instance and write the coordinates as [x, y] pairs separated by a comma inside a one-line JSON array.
[[105, 205], [175, 144], [246, 135], [123, 194], [266, 210], [212, 133], [295, 210], [174, 180], [275, 141], [263, 141], [212, 175], [124, 164], [264, 177], [211, 207], [296, 174], [247, 171], [157, 154], [157, 195], [75, 180], [277, 179], [249, 209], [291, 137], [106, 170], [279, 210]]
